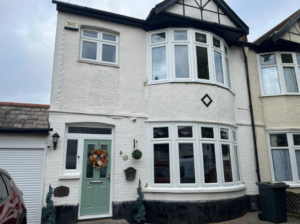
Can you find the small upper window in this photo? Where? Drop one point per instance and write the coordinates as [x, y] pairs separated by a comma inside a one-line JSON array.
[[217, 43], [298, 59], [287, 58], [86, 130], [268, 59], [158, 38], [200, 38], [99, 47], [180, 35]]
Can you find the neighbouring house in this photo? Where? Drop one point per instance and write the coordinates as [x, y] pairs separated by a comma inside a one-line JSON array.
[[173, 86], [274, 68], [24, 131]]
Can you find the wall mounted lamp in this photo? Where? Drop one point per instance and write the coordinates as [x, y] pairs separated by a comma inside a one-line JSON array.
[[55, 138]]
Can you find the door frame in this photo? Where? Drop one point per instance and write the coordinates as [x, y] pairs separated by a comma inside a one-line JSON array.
[[15, 144], [82, 138]]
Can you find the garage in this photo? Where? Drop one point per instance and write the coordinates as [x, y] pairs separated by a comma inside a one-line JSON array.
[[24, 137], [27, 172]]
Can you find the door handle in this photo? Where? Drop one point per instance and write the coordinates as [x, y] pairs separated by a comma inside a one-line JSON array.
[[108, 177], [96, 182]]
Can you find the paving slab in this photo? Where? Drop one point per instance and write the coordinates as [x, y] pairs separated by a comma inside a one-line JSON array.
[[252, 218], [119, 221]]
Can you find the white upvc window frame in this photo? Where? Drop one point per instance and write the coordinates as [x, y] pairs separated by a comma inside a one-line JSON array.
[[197, 142], [170, 44], [291, 149], [100, 42], [279, 65]]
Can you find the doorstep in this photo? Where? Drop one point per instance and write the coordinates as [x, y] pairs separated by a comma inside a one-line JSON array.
[[104, 221]]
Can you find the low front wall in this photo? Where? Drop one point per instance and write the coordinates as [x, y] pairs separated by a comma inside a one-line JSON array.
[[167, 212]]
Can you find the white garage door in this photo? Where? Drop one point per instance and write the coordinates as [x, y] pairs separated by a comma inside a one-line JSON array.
[[26, 168]]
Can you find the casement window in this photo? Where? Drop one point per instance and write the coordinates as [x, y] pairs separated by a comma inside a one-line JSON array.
[[193, 155], [284, 152], [74, 140], [279, 73], [188, 55], [96, 46]]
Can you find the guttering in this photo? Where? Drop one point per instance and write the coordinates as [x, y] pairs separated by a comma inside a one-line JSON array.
[[26, 130], [251, 114]]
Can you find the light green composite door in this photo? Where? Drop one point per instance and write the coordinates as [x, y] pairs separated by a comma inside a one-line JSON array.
[[95, 190]]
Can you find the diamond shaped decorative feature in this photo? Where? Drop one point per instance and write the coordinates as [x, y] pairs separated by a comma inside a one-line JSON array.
[[206, 100]]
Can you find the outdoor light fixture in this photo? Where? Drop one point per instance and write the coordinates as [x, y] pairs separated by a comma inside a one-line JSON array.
[[55, 138]]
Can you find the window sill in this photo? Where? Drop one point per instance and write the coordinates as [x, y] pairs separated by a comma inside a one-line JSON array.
[[191, 82], [69, 176], [197, 190], [296, 94], [294, 185], [98, 63]]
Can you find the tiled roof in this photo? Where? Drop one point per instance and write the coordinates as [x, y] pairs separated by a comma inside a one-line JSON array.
[[24, 115], [276, 29]]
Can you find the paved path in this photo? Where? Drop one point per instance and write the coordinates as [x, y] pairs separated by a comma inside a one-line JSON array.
[[251, 218], [120, 221]]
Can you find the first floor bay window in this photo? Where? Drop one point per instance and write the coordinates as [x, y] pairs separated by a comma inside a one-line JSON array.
[[284, 150], [279, 73], [193, 155], [188, 55]]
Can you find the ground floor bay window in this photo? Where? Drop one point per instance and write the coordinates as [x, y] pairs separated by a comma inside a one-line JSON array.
[[193, 155], [284, 152]]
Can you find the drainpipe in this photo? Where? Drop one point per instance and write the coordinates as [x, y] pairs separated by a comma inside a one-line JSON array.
[[251, 114]]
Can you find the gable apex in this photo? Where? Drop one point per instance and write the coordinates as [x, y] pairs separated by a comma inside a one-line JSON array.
[[205, 7]]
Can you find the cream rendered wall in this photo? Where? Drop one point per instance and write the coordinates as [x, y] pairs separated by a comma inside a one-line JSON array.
[[89, 93], [195, 12]]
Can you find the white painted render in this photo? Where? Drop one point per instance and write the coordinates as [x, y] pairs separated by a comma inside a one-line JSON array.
[[97, 94]]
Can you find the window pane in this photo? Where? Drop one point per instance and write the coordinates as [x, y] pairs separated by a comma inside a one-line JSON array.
[[282, 165], [296, 139], [3, 191], [90, 34], [103, 170], [186, 162], [227, 163], [298, 161], [290, 80], [226, 51], [109, 53], [207, 132], [200, 37], [159, 37], [287, 58], [228, 73], [109, 37], [89, 50], [180, 35], [89, 166], [185, 131], [270, 81], [202, 62], [216, 43], [7, 183], [278, 140], [161, 132], [181, 62], [224, 133], [298, 59], [159, 63], [218, 67], [71, 155], [237, 167], [84, 130], [209, 161], [161, 163], [267, 59]]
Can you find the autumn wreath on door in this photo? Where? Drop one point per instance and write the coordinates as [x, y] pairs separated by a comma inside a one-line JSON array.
[[98, 158]]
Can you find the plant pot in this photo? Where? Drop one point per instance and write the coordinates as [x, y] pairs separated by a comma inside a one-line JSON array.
[[137, 154]]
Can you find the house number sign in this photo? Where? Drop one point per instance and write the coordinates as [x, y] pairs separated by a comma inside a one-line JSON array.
[[71, 25]]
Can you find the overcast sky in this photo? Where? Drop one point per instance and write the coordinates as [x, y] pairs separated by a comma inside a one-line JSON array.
[[28, 32]]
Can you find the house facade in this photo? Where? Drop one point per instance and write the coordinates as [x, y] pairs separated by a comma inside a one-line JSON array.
[[173, 86], [274, 67]]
